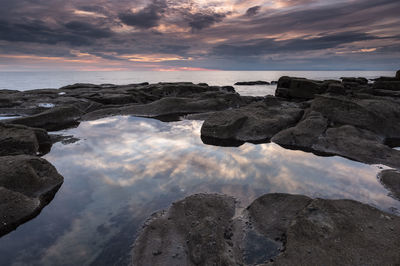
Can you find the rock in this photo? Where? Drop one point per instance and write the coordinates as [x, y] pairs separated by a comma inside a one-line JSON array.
[[361, 81], [391, 180], [398, 74], [54, 119], [278, 229], [191, 232], [27, 184], [251, 83], [256, 122], [173, 106], [379, 115], [357, 144], [387, 93], [289, 87], [335, 88], [387, 85], [16, 139], [304, 134], [274, 82]]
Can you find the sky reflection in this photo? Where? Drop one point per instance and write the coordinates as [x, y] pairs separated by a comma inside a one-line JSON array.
[[125, 168]]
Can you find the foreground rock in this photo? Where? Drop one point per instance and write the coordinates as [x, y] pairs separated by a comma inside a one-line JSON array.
[[27, 184], [278, 229], [391, 180]]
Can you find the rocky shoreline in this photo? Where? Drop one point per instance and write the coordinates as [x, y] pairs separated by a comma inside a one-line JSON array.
[[353, 118]]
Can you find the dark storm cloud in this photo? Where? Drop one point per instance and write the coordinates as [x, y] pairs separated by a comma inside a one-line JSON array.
[[266, 46], [147, 17], [253, 11], [74, 33], [199, 21]]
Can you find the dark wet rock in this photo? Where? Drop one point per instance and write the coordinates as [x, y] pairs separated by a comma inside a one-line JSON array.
[[391, 180], [27, 184], [301, 88], [274, 82], [398, 74], [64, 139], [387, 85], [54, 119], [361, 81], [357, 144], [304, 134], [252, 83], [255, 122], [336, 88], [379, 115], [276, 229], [206, 102], [80, 86], [386, 93], [191, 232], [17, 139]]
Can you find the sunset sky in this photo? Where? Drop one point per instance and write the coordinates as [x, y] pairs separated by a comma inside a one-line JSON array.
[[199, 35]]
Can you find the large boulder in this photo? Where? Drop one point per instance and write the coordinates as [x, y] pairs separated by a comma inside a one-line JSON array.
[[256, 122], [380, 115], [192, 232], [27, 184], [290, 87], [398, 74], [357, 144], [278, 229], [17, 139], [304, 134], [391, 180]]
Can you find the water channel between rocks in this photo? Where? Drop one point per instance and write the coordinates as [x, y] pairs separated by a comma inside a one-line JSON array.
[[124, 168]]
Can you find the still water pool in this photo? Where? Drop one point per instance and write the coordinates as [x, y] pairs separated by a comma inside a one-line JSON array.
[[124, 168]]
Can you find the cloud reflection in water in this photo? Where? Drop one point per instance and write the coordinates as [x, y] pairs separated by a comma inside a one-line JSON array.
[[125, 168]]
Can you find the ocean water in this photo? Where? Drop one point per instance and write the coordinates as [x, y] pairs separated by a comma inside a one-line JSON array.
[[40, 80], [122, 169]]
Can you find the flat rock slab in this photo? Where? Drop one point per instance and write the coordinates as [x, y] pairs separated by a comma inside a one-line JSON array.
[[27, 184], [255, 122], [17, 139], [276, 229]]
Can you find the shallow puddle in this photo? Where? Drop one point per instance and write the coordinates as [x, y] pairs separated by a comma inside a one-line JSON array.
[[125, 168]]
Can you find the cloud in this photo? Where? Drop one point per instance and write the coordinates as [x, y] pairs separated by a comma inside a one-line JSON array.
[[199, 21], [145, 18], [252, 11]]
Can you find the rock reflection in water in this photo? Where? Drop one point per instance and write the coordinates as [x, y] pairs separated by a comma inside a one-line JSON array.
[[125, 168]]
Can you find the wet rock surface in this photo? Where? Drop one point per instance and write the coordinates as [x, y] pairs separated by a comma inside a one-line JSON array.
[[27, 184], [256, 122], [276, 229], [391, 180], [15, 139]]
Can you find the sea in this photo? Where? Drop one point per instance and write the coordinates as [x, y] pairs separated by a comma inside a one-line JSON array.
[[120, 170]]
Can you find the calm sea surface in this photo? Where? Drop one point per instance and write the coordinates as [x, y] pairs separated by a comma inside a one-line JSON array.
[[124, 168]]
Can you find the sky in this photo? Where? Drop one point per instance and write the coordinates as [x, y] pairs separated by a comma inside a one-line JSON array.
[[166, 35]]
